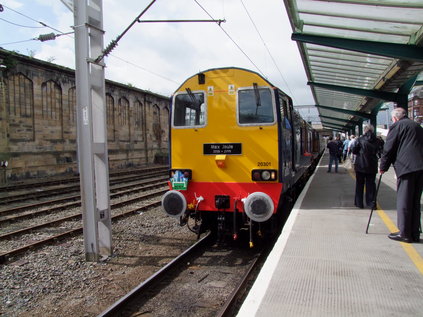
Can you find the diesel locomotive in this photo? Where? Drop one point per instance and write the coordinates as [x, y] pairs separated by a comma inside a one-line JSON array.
[[238, 150]]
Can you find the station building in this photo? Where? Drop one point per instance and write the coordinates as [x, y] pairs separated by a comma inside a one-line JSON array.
[[38, 121]]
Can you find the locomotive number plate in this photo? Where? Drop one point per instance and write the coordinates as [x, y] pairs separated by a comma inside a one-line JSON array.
[[222, 148]]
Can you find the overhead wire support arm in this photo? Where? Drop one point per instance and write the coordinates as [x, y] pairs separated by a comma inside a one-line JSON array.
[[113, 43], [219, 22]]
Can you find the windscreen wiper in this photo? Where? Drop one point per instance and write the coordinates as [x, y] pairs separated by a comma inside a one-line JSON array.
[[195, 103], [257, 96]]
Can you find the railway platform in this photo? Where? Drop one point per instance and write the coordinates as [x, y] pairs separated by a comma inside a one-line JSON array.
[[324, 264]]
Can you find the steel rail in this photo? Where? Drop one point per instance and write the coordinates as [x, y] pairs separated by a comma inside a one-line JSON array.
[[113, 309], [6, 255], [65, 180], [72, 188], [71, 217], [142, 187]]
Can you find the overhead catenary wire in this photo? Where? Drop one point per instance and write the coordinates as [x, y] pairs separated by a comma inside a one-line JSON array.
[[32, 19], [21, 25], [53, 36], [267, 48], [145, 69], [233, 41], [10, 43], [41, 37]]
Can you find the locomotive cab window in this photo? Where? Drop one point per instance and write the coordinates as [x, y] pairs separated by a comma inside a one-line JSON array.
[[255, 106], [189, 109]]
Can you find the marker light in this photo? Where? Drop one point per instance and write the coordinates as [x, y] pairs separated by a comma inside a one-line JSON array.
[[264, 175]]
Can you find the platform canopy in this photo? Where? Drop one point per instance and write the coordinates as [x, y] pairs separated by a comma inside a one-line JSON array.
[[358, 54]]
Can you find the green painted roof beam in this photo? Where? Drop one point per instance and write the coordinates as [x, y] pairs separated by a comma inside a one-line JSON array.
[[351, 112], [339, 119], [337, 125], [403, 92], [334, 128], [343, 126], [389, 96], [394, 50]]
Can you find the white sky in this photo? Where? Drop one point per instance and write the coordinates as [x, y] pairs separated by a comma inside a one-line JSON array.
[[160, 56]]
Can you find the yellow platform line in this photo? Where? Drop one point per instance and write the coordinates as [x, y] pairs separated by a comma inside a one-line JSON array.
[[408, 248]]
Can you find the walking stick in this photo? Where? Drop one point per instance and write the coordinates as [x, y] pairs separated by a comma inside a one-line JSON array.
[[374, 203]]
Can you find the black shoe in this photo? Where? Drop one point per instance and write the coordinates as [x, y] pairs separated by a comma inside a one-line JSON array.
[[398, 237], [415, 238]]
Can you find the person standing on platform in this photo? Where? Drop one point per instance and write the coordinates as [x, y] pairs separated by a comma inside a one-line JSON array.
[[350, 146], [340, 143], [367, 150], [404, 149], [334, 150], [345, 149]]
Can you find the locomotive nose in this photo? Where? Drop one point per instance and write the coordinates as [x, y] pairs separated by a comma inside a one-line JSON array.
[[258, 206], [174, 203]]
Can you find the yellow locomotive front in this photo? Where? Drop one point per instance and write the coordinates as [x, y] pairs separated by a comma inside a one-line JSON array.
[[224, 149]]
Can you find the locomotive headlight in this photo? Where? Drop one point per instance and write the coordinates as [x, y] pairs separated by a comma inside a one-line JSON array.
[[264, 175]]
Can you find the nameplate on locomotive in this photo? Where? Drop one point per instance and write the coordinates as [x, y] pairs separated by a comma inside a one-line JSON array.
[[222, 148]]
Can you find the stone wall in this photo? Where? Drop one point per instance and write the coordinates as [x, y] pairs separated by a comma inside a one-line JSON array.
[[38, 121]]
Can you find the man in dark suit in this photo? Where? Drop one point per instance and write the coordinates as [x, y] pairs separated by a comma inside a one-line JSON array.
[[404, 149], [334, 149], [367, 150]]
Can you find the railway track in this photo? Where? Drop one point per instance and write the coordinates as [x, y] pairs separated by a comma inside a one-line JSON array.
[[187, 285], [51, 206], [61, 217], [19, 193], [66, 232], [23, 185]]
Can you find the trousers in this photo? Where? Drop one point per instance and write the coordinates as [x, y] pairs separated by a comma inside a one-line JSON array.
[[333, 159], [367, 179], [409, 192]]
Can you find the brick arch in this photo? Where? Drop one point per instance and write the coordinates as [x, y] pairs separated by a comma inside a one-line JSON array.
[[139, 121], [20, 107], [51, 94], [69, 115], [165, 123], [157, 127], [110, 110], [123, 116], [50, 121], [71, 106]]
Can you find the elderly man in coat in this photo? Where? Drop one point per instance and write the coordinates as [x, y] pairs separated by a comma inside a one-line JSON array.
[[404, 149]]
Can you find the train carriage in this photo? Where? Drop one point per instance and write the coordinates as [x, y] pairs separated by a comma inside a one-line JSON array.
[[236, 147]]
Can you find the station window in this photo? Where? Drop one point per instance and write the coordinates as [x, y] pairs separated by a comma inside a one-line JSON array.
[[255, 106], [189, 109]]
